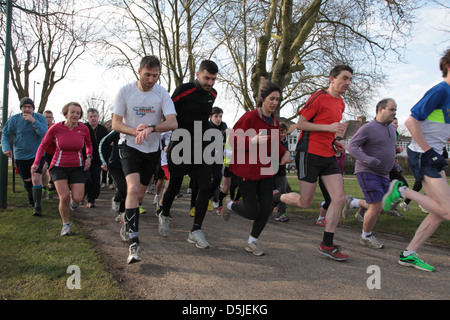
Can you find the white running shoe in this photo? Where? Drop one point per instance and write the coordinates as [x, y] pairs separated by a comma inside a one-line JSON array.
[[198, 237], [134, 253], [163, 225]]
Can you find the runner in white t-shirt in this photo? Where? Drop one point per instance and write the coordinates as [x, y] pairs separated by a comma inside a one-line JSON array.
[[138, 112]]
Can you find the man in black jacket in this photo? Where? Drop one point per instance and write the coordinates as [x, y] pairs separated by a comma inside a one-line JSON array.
[[93, 175], [193, 103]]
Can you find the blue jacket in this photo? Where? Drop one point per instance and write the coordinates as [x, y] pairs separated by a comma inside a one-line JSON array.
[[27, 135]]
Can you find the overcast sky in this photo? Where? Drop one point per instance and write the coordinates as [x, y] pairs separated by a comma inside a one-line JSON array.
[[408, 82]]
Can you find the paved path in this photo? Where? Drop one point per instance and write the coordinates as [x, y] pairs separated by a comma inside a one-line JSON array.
[[292, 269]]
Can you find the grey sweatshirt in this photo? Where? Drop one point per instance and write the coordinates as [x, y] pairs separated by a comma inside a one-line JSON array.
[[373, 147]]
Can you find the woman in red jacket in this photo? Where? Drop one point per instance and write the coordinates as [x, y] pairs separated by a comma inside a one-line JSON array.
[[68, 166], [257, 150]]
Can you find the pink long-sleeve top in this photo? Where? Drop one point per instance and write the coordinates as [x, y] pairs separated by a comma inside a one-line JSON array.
[[69, 145]]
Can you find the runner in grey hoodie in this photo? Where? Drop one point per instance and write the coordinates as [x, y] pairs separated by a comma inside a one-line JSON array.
[[373, 147]]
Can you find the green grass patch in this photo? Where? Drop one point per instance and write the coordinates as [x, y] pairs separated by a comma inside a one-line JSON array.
[[405, 227], [34, 258]]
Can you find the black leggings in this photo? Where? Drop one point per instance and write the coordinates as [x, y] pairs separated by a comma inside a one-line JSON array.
[[121, 186], [201, 173], [257, 206]]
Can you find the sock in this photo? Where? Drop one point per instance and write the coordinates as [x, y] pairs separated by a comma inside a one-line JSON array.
[[408, 253], [28, 186], [196, 227], [37, 196], [328, 238], [366, 234], [229, 205], [401, 190], [355, 203], [132, 219], [221, 197], [252, 239], [321, 218]]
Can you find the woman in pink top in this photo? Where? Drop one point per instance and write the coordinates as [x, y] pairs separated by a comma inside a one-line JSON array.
[[68, 166]]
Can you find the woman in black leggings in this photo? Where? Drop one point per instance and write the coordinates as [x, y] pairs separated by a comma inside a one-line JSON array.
[[254, 130]]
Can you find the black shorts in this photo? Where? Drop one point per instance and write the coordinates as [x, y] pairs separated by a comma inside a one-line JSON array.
[[135, 161], [311, 166], [24, 167], [71, 174]]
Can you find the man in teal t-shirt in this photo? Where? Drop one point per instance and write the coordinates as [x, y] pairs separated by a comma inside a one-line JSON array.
[[28, 129]]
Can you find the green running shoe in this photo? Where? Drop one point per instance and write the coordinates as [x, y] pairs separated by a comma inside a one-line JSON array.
[[413, 260], [392, 196]]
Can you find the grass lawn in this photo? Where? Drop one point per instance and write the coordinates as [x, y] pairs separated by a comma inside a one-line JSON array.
[[34, 258], [405, 227]]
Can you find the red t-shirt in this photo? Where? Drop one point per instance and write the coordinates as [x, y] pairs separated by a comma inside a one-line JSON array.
[[69, 145], [321, 108]]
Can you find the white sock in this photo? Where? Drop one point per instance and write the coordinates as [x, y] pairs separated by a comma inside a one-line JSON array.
[[229, 205], [366, 234], [252, 239], [320, 218], [408, 253], [355, 203], [401, 190]]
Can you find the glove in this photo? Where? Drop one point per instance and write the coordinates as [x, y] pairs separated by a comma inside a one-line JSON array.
[[433, 159]]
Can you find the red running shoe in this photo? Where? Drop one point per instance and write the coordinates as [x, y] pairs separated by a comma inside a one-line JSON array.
[[333, 252]]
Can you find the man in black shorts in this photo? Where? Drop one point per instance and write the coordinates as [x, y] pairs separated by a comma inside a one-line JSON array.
[[193, 103], [138, 112]]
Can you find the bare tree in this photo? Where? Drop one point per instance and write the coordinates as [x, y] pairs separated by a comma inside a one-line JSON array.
[[172, 30], [48, 37], [295, 44]]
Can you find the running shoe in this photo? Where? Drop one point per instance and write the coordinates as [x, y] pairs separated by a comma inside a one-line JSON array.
[[134, 253], [404, 206], [142, 210], [210, 206], [392, 196], [282, 217], [225, 211], [360, 214], [163, 225], [73, 206], [333, 252], [219, 210], [156, 199], [321, 222], [423, 209], [91, 205], [192, 212], [371, 242], [395, 213], [414, 261], [65, 231], [347, 208], [254, 248], [198, 237], [178, 196], [115, 206], [37, 212]]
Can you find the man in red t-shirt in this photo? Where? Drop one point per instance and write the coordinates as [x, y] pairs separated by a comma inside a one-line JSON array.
[[319, 121]]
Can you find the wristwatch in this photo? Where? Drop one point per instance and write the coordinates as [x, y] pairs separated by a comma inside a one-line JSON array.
[[153, 126]]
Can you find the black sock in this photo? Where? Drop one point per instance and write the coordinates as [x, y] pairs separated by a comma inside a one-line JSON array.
[[132, 219], [221, 197], [195, 227], [328, 238], [37, 196]]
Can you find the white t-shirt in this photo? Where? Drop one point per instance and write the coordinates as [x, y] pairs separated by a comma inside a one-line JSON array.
[[138, 107]]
